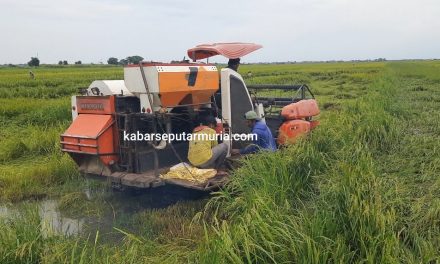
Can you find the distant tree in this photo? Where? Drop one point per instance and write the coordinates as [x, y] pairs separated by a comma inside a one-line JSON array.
[[60, 63], [34, 62], [78, 62], [112, 61], [123, 62], [65, 62], [134, 59]]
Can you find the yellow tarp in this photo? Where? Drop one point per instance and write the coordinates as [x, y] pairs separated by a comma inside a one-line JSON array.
[[187, 172]]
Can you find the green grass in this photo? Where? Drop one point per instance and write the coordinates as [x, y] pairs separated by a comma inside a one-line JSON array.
[[362, 188]]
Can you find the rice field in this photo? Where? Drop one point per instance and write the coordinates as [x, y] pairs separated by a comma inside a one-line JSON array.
[[362, 188]]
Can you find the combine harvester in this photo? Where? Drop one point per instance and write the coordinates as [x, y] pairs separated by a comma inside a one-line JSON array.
[[167, 98]]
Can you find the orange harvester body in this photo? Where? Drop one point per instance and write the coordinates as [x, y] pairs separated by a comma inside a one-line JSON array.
[[174, 87]]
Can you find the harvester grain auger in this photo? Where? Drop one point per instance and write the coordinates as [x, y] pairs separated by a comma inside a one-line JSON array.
[[111, 118]]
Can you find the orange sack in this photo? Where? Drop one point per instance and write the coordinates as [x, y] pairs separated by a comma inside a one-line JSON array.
[[291, 130], [301, 109]]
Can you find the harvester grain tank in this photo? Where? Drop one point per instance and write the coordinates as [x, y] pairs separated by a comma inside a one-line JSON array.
[[169, 98]]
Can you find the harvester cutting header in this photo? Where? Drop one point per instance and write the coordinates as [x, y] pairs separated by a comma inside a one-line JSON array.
[[170, 98]]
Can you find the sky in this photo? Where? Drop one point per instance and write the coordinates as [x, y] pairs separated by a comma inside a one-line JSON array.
[[162, 30]]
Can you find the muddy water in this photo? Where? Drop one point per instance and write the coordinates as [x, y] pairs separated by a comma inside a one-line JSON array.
[[53, 222], [123, 205]]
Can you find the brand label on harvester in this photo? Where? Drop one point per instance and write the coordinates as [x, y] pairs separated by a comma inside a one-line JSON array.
[[92, 106]]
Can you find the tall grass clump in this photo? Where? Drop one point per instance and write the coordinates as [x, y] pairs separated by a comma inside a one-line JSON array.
[[20, 181], [258, 178], [21, 239]]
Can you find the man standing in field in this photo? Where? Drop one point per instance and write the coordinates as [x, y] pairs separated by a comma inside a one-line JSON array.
[[204, 151], [264, 141]]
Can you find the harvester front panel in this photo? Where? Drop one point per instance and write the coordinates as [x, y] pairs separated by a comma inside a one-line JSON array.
[[93, 131]]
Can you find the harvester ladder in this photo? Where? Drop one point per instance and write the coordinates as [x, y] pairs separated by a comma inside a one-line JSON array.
[[125, 147]]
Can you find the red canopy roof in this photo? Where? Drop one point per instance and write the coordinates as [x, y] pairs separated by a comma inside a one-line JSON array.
[[229, 50]]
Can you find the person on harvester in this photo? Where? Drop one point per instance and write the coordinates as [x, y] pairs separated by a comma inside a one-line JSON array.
[[264, 140], [233, 64], [204, 151]]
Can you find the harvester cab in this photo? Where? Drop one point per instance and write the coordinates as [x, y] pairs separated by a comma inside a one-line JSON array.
[[116, 123]]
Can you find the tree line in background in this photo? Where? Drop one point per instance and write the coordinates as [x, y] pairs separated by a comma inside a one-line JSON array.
[[64, 62], [35, 62], [129, 60]]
